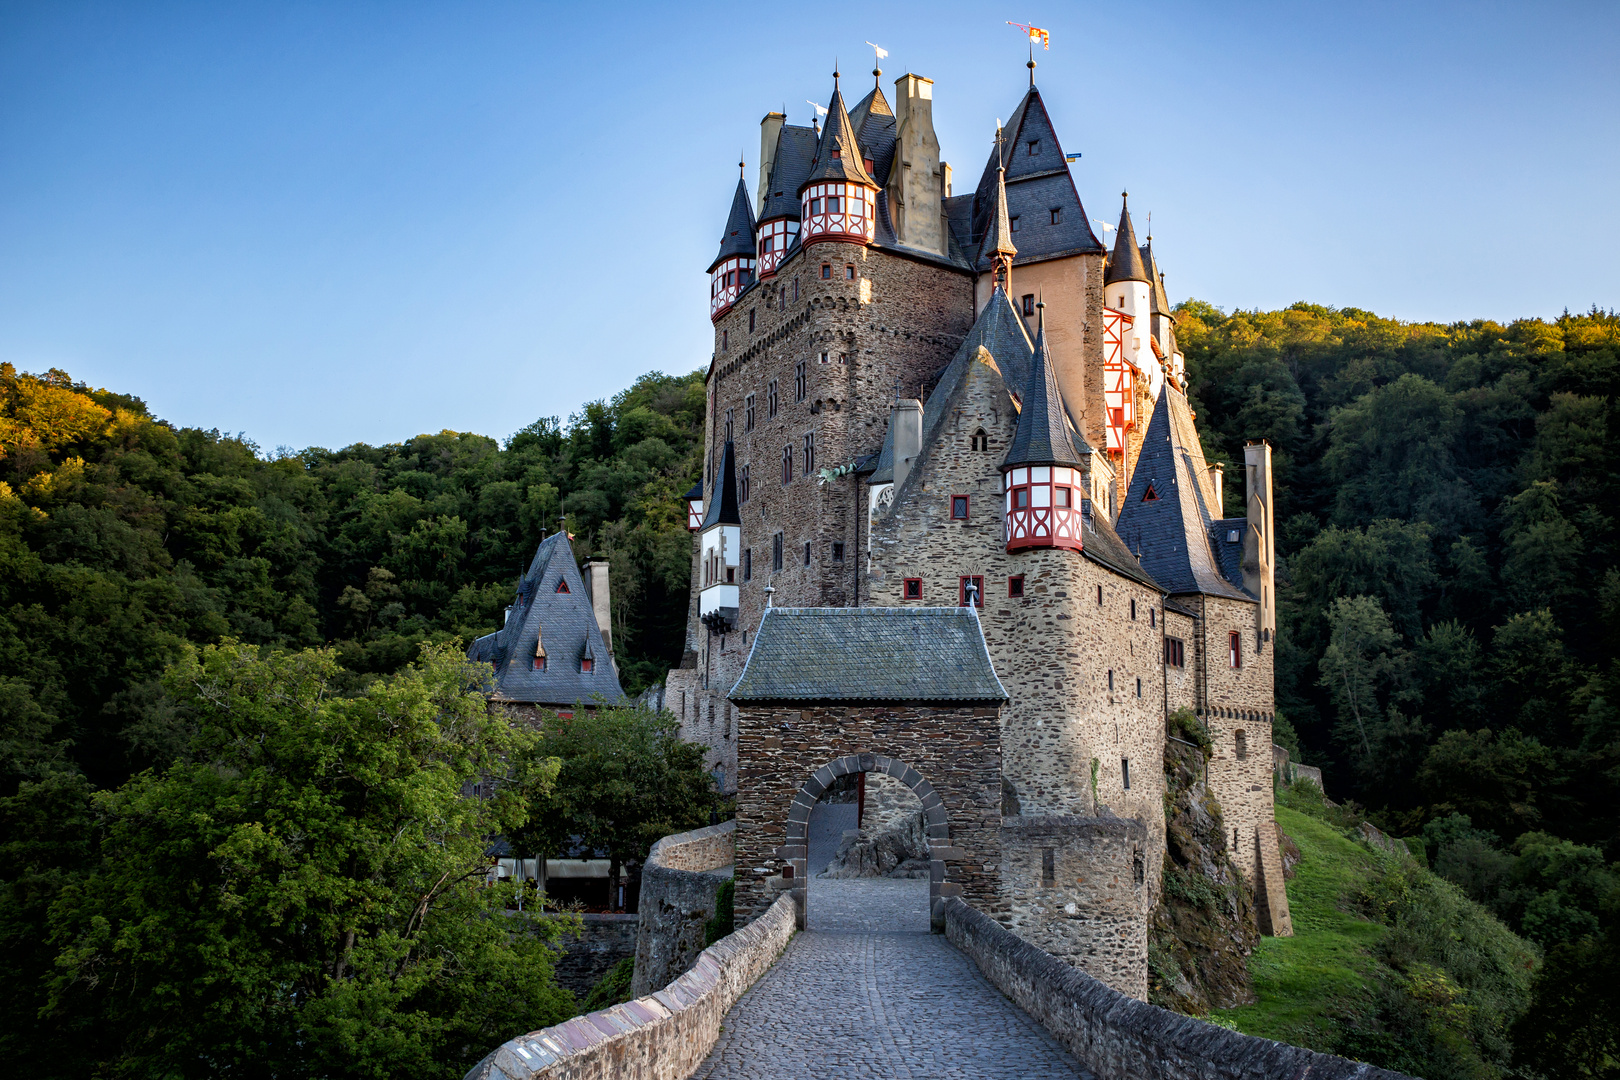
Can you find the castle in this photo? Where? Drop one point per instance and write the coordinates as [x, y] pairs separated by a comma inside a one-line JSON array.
[[921, 400]]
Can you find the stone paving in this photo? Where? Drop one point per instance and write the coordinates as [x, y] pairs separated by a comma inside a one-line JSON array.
[[866, 991]]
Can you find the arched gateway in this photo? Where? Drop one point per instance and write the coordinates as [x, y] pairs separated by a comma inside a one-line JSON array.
[[830, 692]]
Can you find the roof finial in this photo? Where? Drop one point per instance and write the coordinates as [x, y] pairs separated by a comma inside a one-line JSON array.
[[769, 589], [742, 168], [1150, 228], [877, 76], [1124, 197], [835, 75], [1031, 64], [1040, 311]]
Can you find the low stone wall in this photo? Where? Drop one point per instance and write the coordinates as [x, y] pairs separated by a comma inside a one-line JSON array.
[[604, 940], [1118, 1037], [662, 1036], [679, 885]]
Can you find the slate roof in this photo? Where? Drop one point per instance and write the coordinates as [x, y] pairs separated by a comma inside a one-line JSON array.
[[998, 238], [875, 126], [795, 149], [1125, 264], [722, 507], [1101, 544], [1229, 553], [738, 239], [1159, 302], [1043, 436], [1037, 184], [840, 136], [869, 654], [564, 623], [883, 463], [1171, 532]]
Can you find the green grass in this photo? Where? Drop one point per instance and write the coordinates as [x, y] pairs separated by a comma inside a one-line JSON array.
[[1301, 981]]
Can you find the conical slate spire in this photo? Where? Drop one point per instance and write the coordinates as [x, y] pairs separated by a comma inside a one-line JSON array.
[[998, 238], [739, 234], [1160, 303], [722, 506], [1126, 262], [839, 155], [1042, 436]]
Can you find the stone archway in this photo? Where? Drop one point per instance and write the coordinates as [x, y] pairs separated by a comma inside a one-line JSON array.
[[804, 801]]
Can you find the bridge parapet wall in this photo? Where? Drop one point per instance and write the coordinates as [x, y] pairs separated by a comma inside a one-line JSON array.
[[661, 1036], [680, 886], [1118, 1037]]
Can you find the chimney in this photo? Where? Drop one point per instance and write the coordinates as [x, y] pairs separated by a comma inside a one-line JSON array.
[[907, 423], [769, 129], [914, 182], [1259, 540], [596, 587], [1217, 479]]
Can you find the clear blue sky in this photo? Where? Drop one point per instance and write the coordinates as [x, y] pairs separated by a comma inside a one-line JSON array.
[[338, 222]]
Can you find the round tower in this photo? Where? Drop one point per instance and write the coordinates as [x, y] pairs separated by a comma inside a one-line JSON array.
[[733, 268], [839, 199], [1042, 480]]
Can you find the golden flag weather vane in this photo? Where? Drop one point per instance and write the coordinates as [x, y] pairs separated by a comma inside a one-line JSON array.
[[1036, 35]]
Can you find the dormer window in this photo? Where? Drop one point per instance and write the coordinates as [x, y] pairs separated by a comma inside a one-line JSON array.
[[562, 584], [1034, 147], [837, 153], [871, 166], [1057, 214], [1151, 494], [1013, 221], [586, 665]]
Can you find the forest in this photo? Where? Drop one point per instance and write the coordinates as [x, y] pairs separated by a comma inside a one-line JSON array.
[[1449, 610]]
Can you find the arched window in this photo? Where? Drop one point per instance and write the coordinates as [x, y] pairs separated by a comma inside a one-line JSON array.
[[981, 441]]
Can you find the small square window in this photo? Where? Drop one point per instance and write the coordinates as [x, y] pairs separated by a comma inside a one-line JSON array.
[[825, 357], [1013, 221], [959, 507], [913, 588], [539, 663], [1029, 303], [1057, 214], [587, 665], [1060, 497], [826, 270], [977, 581], [1015, 586], [1034, 147], [838, 551]]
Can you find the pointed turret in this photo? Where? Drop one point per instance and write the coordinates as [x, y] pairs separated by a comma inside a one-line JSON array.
[[998, 246], [1043, 484], [720, 541], [839, 198], [733, 268], [778, 225], [1126, 262]]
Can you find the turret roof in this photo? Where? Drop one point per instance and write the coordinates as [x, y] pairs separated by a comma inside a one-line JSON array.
[[874, 125], [1171, 530], [551, 606], [795, 150], [1159, 304], [1126, 262], [839, 136], [738, 238], [721, 509], [998, 239], [1043, 436]]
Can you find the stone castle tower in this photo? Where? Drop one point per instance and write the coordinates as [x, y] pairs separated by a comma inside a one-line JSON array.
[[922, 399]]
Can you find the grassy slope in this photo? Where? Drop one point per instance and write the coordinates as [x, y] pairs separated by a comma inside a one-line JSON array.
[[1300, 979]]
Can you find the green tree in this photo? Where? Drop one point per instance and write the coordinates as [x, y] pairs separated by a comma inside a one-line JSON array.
[[304, 894]]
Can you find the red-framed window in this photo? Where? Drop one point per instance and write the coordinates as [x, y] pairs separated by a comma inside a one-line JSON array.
[[1175, 652], [959, 507], [977, 581], [1061, 498], [912, 588], [539, 663], [1234, 647], [586, 665], [562, 584], [1015, 586]]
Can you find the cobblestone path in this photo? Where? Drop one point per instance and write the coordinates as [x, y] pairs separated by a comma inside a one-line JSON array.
[[868, 992]]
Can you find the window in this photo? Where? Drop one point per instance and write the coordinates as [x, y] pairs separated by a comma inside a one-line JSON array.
[[835, 203], [977, 581], [787, 464], [1015, 586], [1138, 687], [1175, 652], [748, 413], [562, 585], [809, 453], [1110, 680], [731, 415], [838, 551], [1150, 495], [748, 564], [1057, 214], [807, 553], [824, 358], [751, 323], [1241, 742], [981, 441], [959, 507], [776, 552], [913, 588], [849, 272], [1125, 771], [1048, 867], [1013, 221], [1099, 596], [1020, 498], [826, 268], [1152, 618], [1133, 609], [1234, 646], [586, 665], [744, 486], [1034, 147], [770, 401], [1029, 303], [800, 381], [871, 166], [539, 663], [725, 339], [815, 207], [1060, 497], [795, 290]]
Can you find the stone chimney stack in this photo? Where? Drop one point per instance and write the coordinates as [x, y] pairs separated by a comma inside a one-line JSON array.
[[769, 129], [1217, 480], [1259, 539], [908, 418], [917, 183], [596, 587]]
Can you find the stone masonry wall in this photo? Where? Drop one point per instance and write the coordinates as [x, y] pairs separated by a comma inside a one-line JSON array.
[[1181, 684], [1055, 648], [1076, 888], [791, 753], [603, 941], [679, 885], [1116, 1038]]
